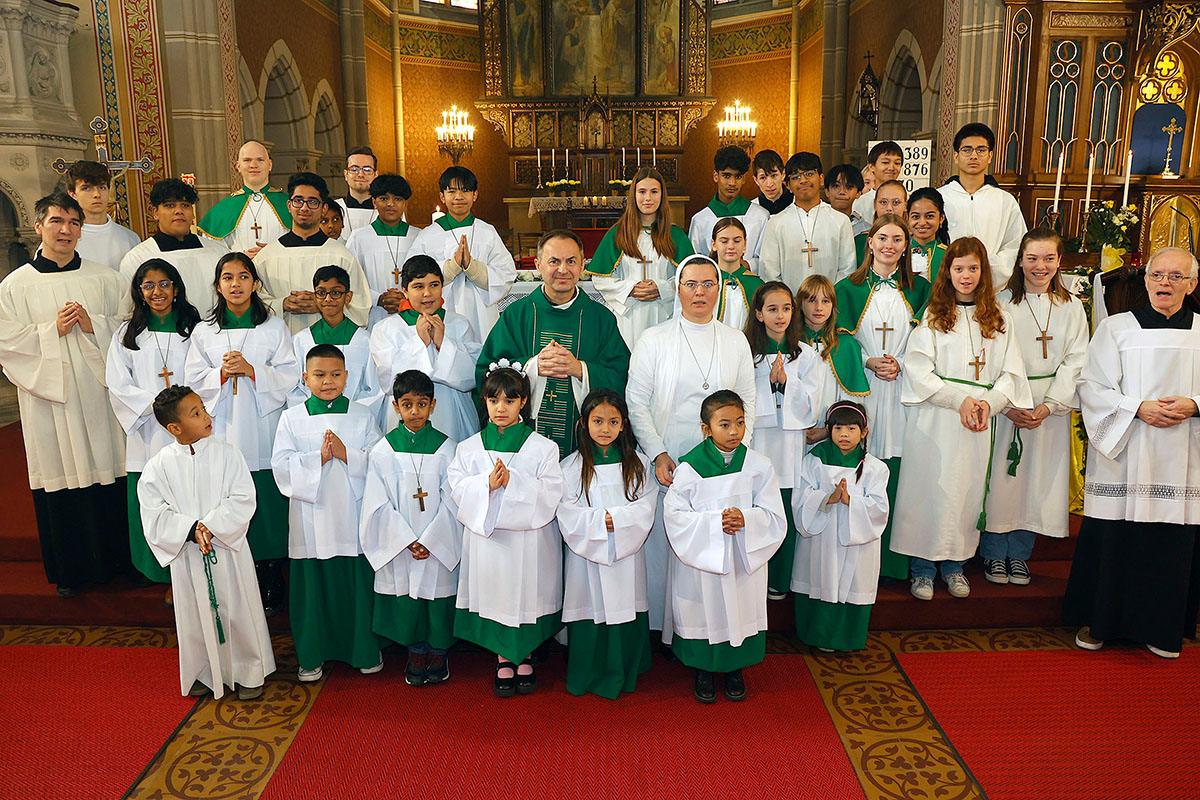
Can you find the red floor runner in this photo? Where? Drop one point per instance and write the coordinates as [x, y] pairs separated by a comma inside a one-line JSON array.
[[84, 721], [373, 736], [1118, 724]]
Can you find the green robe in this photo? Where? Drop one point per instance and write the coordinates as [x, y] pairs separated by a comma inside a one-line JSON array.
[[223, 218], [604, 261], [935, 251], [846, 362], [586, 328]]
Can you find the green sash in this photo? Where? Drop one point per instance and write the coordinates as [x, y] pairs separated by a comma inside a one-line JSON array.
[[708, 462], [341, 335], [223, 218], [338, 405], [1016, 447], [981, 523], [424, 442], [846, 362], [852, 300]]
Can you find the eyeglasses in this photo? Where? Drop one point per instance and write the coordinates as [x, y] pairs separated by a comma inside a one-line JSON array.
[[692, 286], [336, 294], [311, 202], [807, 174], [148, 286], [982, 150], [1171, 277], [356, 170]]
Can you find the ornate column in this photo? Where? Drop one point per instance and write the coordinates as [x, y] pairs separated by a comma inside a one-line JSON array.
[[836, 40], [397, 87], [354, 73], [973, 32]]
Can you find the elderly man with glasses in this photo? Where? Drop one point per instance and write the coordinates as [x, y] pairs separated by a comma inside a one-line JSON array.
[[1136, 572], [287, 265]]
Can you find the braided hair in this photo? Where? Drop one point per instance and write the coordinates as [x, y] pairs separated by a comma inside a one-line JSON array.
[[846, 412]]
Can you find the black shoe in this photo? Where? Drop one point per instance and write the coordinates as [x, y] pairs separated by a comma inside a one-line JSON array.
[[62, 590], [703, 689], [505, 687], [735, 686], [527, 683], [272, 586], [414, 674], [437, 668], [198, 689]]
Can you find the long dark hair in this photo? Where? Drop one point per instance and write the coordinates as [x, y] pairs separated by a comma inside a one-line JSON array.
[[756, 332], [633, 473], [507, 382], [847, 412], [1016, 282], [186, 315], [629, 226], [260, 312], [934, 196], [904, 273]]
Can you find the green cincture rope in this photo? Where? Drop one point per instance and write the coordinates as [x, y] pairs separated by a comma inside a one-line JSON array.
[[981, 524], [1016, 447], [210, 558]]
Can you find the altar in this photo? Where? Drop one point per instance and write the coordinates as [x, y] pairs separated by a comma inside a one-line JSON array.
[[532, 216]]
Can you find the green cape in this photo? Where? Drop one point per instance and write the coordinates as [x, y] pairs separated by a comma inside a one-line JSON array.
[[852, 301], [222, 218], [449, 223], [607, 256], [746, 280], [400, 228], [828, 453], [509, 440], [708, 462], [846, 361], [340, 335]]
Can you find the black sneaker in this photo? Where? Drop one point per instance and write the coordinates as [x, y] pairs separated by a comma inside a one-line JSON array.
[[995, 571], [437, 668], [1018, 572], [64, 590], [704, 688], [415, 672], [735, 686]]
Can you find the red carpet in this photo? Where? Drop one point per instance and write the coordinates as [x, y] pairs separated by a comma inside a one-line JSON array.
[[83, 722], [1118, 724], [373, 736]]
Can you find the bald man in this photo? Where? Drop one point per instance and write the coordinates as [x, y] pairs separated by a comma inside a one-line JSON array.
[[255, 214]]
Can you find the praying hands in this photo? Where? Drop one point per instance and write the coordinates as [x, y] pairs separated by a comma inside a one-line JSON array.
[[70, 315], [732, 520], [298, 302], [645, 290], [778, 373], [234, 364], [840, 495], [556, 361], [431, 328], [974, 414], [1028, 420], [885, 367], [331, 448], [498, 476]]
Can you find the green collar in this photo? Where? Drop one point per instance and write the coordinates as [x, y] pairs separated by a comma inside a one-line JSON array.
[[829, 454], [449, 223], [746, 280], [845, 360], [613, 457], [231, 320], [340, 335], [772, 347], [424, 442], [708, 461], [338, 405], [739, 206], [852, 300], [399, 229], [411, 315], [164, 324], [509, 441]]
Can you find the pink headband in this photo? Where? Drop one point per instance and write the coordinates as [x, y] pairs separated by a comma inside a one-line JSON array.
[[850, 406]]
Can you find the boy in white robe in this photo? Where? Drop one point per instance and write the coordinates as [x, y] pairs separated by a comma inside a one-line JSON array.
[[331, 287], [287, 264], [477, 268], [887, 160], [411, 535], [440, 343], [730, 165], [381, 245], [724, 518], [320, 462], [102, 240], [196, 500]]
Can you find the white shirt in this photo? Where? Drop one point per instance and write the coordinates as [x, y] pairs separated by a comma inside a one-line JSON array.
[[106, 244]]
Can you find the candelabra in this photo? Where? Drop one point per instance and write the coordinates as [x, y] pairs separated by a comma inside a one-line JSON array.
[[455, 137], [737, 128]]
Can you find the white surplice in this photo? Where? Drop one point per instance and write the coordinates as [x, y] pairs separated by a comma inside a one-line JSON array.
[[393, 518], [1037, 497], [829, 389], [208, 481], [286, 269], [605, 579], [864, 206], [362, 381], [1137, 472], [324, 499], [990, 215], [134, 379], [754, 220], [106, 244], [886, 415], [247, 419], [355, 219], [511, 567], [718, 584], [257, 211], [72, 440], [396, 347], [478, 304], [780, 419], [788, 233], [382, 260], [944, 472], [837, 552], [634, 316], [196, 265]]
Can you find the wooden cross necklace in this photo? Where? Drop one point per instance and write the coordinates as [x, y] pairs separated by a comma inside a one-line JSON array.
[[1045, 329], [256, 197], [885, 329], [166, 373], [981, 357], [809, 248], [421, 493], [229, 342], [395, 255]]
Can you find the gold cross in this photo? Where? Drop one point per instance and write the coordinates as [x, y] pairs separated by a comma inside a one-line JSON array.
[[256, 228], [551, 395], [979, 362], [644, 264], [884, 330], [810, 250], [420, 497], [1045, 337], [1170, 130], [166, 375]]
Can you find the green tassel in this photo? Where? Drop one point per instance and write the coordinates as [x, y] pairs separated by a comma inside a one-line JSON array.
[[1015, 449], [981, 523], [210, 558]]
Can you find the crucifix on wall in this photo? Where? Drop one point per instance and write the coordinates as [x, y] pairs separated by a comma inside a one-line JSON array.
[[99, 127]]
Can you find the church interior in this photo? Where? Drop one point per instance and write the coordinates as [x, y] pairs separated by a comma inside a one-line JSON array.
[[554, 105]]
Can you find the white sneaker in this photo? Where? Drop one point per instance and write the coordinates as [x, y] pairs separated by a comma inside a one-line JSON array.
[[1085, 640], [956, 582], [1162, 653], [311, 675], [372, 670], [922, 588]]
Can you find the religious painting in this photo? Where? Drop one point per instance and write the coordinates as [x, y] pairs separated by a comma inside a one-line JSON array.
[[525, 47], [593, 39], [660, 40]]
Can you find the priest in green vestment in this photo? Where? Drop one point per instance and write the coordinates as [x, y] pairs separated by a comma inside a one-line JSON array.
[[254, 215], [567, 341]]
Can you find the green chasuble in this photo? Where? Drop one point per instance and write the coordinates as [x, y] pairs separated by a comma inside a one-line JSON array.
[[745, 280], [846, 361], [852, 300], [935, 251], [339, 334], [399, 229], [586, 328], [607, 256], [222, 218]]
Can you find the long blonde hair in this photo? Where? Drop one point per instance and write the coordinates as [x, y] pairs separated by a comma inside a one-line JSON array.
[[629, 226], [817, 285]]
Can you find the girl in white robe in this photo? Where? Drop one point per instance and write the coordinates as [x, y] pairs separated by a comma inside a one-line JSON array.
[[506, 483], [1031, 493], [787, 375], [242, 365], [146, 355], [961, 368], [724, 518], [842, 506], [738, 283], [606, 514]]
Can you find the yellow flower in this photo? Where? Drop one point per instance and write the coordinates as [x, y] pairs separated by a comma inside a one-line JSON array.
[[1108, 203]]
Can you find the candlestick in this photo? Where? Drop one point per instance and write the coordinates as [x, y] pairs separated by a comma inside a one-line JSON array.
[[1128, 170], [1087, 198], [1058, 180], [567, 163]]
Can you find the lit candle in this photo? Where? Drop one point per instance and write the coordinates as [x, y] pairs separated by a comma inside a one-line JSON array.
[[567, 163], [654, 156], [539, 159], [1058, 180], [1087, 198], [1128, 169], [622, 158], [551, 162], [639, 156]]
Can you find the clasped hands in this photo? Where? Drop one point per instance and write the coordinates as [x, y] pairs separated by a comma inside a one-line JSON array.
[[301, 302], [645, 290], [431, 328], [885, 367], [70, 315], [1166, 412], [974, 414], [840, 495], [1028, 420], [556, 361], [234, 364], [498, 477]]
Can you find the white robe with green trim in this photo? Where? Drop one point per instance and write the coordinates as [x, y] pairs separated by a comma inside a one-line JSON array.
[[635, 317], [479, 305]]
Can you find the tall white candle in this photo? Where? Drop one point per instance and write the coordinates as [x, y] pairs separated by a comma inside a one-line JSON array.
[[567, 163], [539, 159], [654, 156], [1058, 180], [1087, 197], [552, 163], [622, 159], [639, 156], [1128, 169]]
